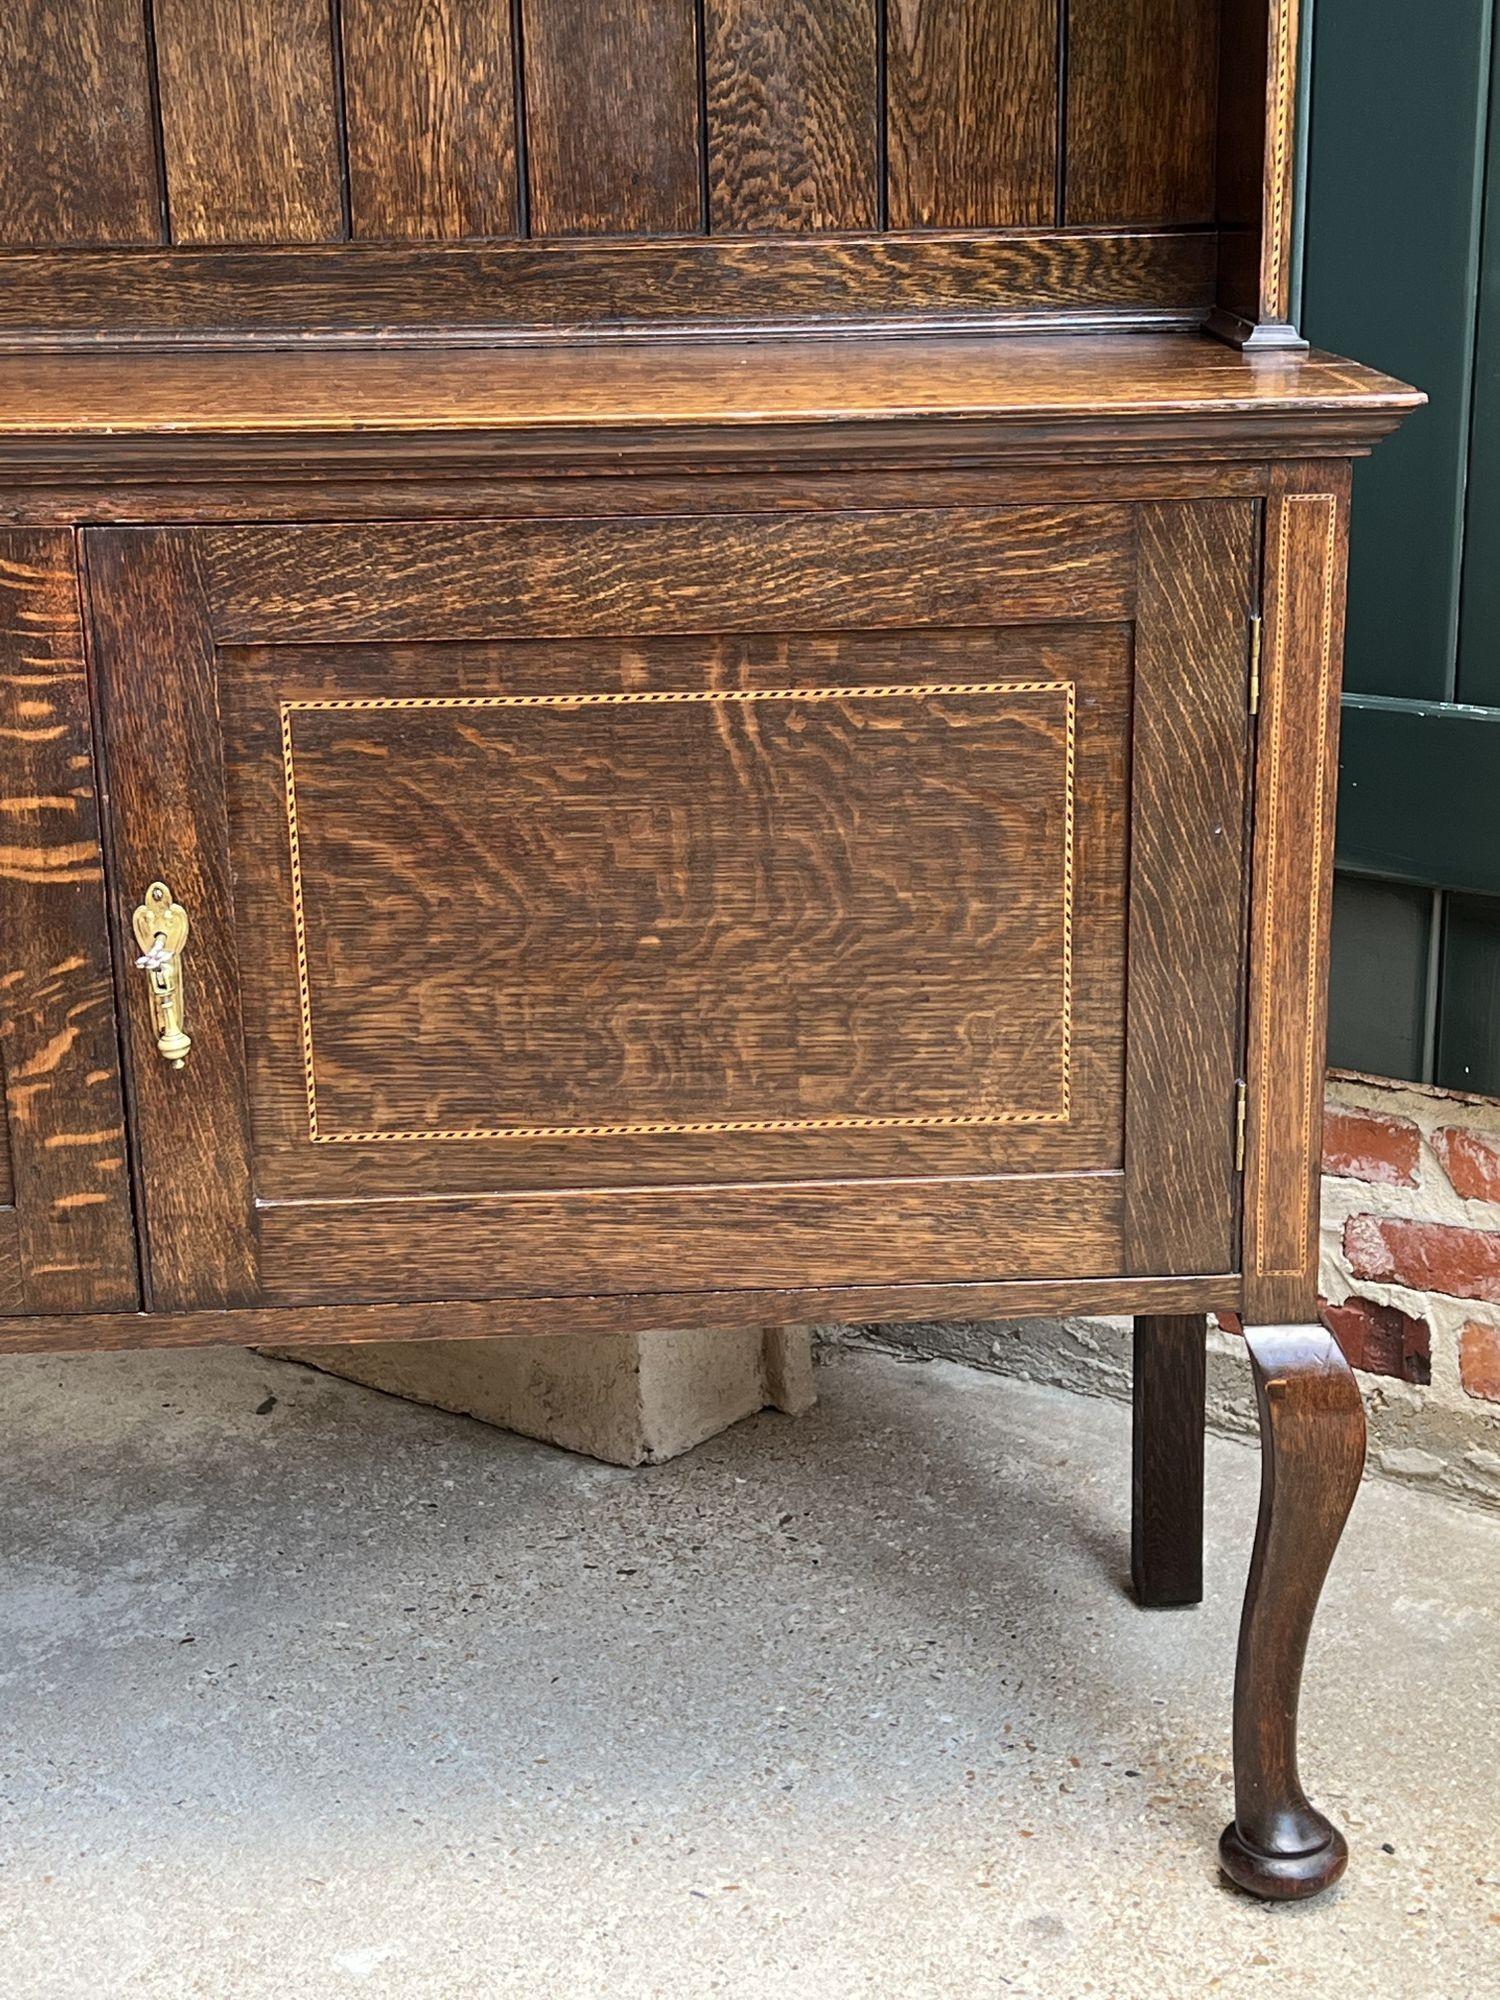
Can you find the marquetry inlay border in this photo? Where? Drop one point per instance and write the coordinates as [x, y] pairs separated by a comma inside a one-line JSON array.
[[1280, 115], [660, 697], [1272, 911]]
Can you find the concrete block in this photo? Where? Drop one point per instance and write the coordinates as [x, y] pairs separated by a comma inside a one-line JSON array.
[[629, 1399]]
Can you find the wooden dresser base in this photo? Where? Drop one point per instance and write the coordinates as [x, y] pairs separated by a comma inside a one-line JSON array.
[[837, 829]]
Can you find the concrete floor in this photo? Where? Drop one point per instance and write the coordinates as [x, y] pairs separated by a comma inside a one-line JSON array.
[[338, 1696]]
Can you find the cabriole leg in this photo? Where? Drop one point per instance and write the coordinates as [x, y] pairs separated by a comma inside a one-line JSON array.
[[1312, 1425]]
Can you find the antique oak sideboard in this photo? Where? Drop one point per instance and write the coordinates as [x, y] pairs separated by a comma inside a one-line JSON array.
[[679, 663]]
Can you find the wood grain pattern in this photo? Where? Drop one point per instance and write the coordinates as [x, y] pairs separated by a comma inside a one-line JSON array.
[[473, 1319], [544, 828], [1256, 162], [1187, 882], [1143, 84], [12, 1281], [1295, 788], [1312, 1426], [77, 148], [398, 486], [371, 295], [1169, 1382], [74, 1234], [971, 113], [612, 117], [8, 1191], [249, 121], [157, 717], [775, 991], [430, 111], [535, 580], [1031, 1225], [792, 115], [1043, 390], [686, 985]]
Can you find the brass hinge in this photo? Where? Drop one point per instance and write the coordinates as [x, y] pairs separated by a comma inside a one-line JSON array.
[[1241, 1098], [1257, 629]]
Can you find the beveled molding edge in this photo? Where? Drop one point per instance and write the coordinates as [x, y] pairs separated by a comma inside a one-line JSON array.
[[698, 697], [843, 444]]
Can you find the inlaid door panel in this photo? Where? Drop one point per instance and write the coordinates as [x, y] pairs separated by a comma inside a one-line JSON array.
[[635, 905]]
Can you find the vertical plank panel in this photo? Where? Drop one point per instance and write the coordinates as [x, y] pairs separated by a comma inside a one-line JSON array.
[[249, 120], [1142, 110], [158, 717], [1296, 776], [1189, 752], [792, 115], [57, 1006], [971, 113], [612, 117], [77, 147], [430, 89]]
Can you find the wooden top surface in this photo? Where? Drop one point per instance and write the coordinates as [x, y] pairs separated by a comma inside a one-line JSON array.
[[671, 385]]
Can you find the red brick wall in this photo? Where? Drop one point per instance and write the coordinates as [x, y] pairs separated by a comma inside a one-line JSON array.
[[1410, 1269]]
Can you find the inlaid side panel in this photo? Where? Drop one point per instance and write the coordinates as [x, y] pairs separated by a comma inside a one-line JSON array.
[[1295, 787], [249, 120], [792, 115], [71, 1227], [430, 87], [77, 142], [971, 113], [612, 117], [1143, 85], [1187, 884]]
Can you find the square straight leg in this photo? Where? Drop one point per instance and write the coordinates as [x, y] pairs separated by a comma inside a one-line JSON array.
[[1166, 1527]]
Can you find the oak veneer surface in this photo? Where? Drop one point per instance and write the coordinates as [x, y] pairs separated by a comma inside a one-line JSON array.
[[612, 287], [687, 912], [248, 99], [574, 929], [668, 385], [791, 90], [77, 153], [612, 117], [430, 119], [971, 112], [631, 113], [63, 1159]]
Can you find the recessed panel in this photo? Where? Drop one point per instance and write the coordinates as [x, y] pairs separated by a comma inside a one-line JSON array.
[[725, 910]]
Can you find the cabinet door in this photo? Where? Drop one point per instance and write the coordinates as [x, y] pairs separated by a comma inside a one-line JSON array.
[[67, 1240], [608, 905]]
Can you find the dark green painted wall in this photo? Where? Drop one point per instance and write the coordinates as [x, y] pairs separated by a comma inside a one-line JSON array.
[[1401, 268]]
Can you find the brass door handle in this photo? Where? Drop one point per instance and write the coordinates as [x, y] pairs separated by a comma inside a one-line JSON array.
[[161, 928]]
